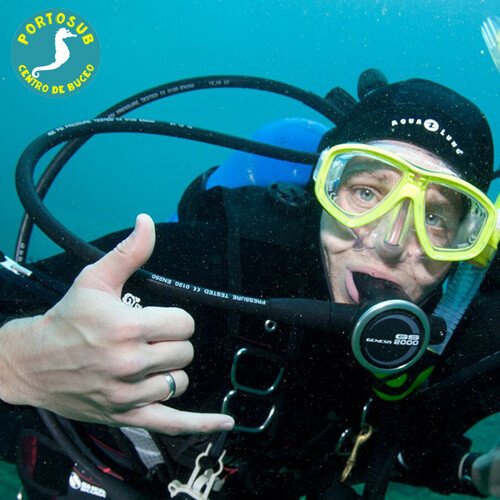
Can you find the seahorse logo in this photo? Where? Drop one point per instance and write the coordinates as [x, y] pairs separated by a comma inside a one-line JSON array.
[[62, 52], [56, 52]]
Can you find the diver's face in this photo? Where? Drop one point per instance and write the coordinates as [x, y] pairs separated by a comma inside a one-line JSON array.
[[352, 258]]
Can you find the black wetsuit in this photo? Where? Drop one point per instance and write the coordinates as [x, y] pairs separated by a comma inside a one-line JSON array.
[[257, 242]]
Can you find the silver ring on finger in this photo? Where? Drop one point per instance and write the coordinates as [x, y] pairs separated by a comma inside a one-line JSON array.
[[171, 385]]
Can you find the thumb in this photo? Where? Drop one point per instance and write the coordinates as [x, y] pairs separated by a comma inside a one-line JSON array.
[[114, 269]]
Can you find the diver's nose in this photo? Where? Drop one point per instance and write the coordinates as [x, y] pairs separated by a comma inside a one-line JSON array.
[[391, 235]]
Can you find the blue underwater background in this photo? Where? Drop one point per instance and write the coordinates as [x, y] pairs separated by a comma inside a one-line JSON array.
[[315, 45]]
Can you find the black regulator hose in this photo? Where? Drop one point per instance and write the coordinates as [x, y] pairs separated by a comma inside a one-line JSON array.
[[316, 314], [485, 369], [326, 107]]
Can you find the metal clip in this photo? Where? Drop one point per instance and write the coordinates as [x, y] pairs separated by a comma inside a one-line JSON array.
[[340, 448], [242, 390], [361, 438], [246, 428], [200, 484], [245, 388], [364, 413]]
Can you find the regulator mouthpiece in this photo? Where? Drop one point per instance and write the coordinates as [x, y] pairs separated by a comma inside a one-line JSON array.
[[390, 336]]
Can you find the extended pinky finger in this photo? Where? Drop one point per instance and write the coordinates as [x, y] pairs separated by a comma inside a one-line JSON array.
[[163, 419]]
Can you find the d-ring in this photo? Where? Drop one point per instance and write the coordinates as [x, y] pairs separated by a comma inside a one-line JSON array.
[[171, 384]]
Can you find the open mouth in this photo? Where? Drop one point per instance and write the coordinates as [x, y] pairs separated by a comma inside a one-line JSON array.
[[370, 288]]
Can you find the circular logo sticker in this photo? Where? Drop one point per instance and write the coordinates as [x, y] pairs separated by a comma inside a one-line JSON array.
[[55, 52], [431, 125]]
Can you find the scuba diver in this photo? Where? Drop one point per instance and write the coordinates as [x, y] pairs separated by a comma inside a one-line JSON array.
[[346, 314]]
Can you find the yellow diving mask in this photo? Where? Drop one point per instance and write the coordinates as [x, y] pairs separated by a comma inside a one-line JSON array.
[[358, 184]]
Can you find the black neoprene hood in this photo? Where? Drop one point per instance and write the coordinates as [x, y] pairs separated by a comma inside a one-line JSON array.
[[428, 115]]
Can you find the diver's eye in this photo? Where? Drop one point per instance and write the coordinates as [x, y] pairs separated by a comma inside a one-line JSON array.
[[434, 220], [365, 194], [440, 230]]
